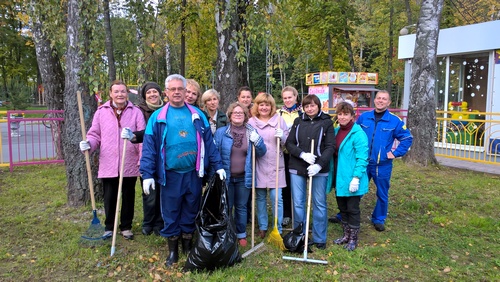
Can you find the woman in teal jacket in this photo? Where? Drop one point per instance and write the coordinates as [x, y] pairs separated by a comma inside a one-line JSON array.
[[351, 157]]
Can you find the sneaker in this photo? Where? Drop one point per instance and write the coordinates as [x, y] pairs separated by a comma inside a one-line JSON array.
[[107, 235], [128, 235], [286, 221], [243, 242], [379, 227]]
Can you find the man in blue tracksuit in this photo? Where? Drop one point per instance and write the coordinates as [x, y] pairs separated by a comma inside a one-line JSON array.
[[382, 129], [177, 149]]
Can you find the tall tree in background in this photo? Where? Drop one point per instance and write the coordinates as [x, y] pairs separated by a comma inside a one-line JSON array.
[[227, 75], [77, 45], [109, 42], [422, 106]]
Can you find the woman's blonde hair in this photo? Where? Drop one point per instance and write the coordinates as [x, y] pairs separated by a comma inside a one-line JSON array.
[[263, 98], [196, 85], [208, 94]]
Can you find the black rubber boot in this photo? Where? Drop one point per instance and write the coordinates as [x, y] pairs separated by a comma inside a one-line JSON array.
[[353, 239], [345, 238], [187, 243], [173, 248]]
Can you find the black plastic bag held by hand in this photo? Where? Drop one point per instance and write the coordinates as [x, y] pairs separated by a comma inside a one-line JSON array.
[[216, 245], [294, 240]]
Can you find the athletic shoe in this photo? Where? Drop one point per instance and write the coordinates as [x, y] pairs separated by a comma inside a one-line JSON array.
[[107, 235], [128, 235]]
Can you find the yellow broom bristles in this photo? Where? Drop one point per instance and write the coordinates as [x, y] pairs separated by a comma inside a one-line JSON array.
[[274, 238]]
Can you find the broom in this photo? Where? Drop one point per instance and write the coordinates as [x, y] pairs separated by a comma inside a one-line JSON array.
[[94, 233], [118, 198], [275, 236]]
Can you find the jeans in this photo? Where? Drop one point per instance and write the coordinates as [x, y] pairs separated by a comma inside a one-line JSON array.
[[319, 206], [237, 197], [261, 199]]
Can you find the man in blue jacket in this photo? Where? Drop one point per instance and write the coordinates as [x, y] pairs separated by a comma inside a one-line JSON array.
[[382, 129], [177, 149]]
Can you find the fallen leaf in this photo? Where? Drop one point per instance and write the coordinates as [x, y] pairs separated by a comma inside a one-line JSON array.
[[407, 266], [157, 277], [335, 272], [179, 274], [447, 269]]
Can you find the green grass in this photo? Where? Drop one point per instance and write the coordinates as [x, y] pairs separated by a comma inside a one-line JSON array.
[[443, 226]]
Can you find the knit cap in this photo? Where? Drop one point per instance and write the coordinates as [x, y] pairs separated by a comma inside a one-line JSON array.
[[148, 85]]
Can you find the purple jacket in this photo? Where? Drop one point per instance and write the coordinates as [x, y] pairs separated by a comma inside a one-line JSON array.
[[105, 134], [265, 166]]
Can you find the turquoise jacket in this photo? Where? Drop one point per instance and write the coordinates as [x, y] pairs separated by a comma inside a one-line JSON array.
[[352, 162]]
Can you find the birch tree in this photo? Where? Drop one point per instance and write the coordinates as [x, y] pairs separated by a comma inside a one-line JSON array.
[[422, 106]]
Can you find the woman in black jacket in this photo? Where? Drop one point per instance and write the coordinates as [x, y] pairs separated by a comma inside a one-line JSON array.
[[312, 124]]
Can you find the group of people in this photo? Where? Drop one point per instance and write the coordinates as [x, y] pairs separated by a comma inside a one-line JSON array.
[[177, 144]]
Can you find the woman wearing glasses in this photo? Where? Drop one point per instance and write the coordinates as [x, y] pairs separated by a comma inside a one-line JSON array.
[[234, 142], [210, 101]]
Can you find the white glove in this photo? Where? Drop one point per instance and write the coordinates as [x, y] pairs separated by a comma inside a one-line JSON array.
[[354, 185], [312, 170], [127, 133], [222, 174], [84, 146], [278, 133], [308, 158], [254, 136], [146, 183]]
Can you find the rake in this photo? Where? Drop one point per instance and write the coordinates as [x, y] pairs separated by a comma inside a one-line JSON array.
[[275, 236], [94, 233], [254, 248], [306, 243]]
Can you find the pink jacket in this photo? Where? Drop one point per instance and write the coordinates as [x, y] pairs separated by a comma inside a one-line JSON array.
[[105, 134], [265, 166]]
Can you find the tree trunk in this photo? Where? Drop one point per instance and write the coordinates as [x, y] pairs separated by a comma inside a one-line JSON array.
[[228, 75], [422, 106], [183, 39], [109, 42], [76, 172], [52, 77]]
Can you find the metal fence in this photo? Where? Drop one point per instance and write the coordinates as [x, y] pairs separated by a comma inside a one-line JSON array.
[[33, 137]]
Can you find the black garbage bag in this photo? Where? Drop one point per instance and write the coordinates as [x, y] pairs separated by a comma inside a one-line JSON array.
[[295, 239], [216, 245]]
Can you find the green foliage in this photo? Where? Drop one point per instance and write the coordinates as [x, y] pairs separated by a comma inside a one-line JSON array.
[[20, 96]]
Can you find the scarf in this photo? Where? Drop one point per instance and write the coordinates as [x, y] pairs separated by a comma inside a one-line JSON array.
[[155, 107], [294, 108], [118, 111]]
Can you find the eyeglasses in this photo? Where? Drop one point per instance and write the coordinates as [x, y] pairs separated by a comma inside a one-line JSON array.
[[178, 89], [238, 113]]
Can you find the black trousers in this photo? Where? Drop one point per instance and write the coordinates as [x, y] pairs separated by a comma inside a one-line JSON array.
[[152, 209], [349, 210], [286, 193], [110, 186]]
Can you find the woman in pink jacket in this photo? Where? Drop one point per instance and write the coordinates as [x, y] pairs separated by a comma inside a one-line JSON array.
[[265, 120], [106, 134]]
